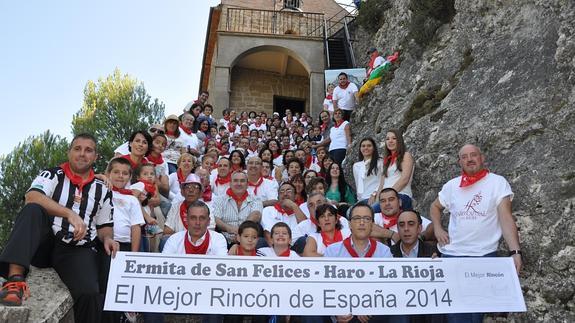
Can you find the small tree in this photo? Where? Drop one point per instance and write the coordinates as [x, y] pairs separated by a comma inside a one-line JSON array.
[[113, 108], [20, 167]]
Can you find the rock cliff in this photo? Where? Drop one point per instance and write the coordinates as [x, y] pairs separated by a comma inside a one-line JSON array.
[[500, 74]]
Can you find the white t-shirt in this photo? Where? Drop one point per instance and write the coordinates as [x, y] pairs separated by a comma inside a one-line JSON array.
[[271, 216], [192, 141], [474, 228], [174, 185], [366, 185], [306, 227], [217, 247], [338, 138], [269, 252], [268, 190], [329, 104], [127, 212], [345, 97]]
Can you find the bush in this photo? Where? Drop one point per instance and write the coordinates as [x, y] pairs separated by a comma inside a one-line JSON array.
[[370, 16]]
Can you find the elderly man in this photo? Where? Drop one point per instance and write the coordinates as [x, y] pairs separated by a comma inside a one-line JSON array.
[[176, 219], [69, 206], [220, 180], [236, 206], [262, 188], [479, 203]]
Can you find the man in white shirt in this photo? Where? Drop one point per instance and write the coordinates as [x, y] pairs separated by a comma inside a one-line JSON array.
[[264, 189], [479, 204], [345, 96]]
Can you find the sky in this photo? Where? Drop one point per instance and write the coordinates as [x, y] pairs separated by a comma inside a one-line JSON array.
[[50, 49]]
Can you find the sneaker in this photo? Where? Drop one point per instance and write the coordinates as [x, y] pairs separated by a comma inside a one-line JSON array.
[[14, 290]]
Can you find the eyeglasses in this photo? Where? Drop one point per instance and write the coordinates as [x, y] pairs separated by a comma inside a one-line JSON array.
[[289, 190], [361, 218], [192, 187], [158, 131]]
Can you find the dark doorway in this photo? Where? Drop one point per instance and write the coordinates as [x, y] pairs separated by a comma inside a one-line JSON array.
[[281, 103]]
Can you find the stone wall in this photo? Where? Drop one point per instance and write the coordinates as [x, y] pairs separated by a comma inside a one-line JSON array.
[[254, 89], [500, 74]]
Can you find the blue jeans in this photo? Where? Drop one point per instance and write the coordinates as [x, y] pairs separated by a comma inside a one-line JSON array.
[[466, 317]]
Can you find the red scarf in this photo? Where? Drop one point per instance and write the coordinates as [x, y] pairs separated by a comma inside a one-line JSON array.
[[390, 220], [329, 96], [338, 123], [155, 160], [231, 128], [149, 186], [390, 159], [275, 155], [282, 210], [256, 185], [308, 161], [322, 127], [197, 250], [123, 191], [184, 214], [207, 194], [76, 179], [270, 177], [240, 252], [353, 253], [285, 253], [181, 177], [468, 180], [344, 86], [223, 180], [299, 200], [236, 168], [227, 118], [170, 133], [239, 199], [186, 129], [336, 238], [133, 163]]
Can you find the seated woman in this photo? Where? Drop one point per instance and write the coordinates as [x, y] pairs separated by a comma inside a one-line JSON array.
[[338, 191], [140, 145], [329, 230], [398, 167], [367, 171], [186, 163], [298, 182]]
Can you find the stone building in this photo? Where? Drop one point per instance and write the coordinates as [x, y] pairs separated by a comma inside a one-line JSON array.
[[270, 55]]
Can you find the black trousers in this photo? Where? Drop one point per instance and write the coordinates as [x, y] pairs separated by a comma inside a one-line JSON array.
[[31, 242], [338, 155]]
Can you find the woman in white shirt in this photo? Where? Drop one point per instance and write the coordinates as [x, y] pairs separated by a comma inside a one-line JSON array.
[[367, 171], [398, 167]]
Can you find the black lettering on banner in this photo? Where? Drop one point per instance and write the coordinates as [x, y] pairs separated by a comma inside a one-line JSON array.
[[122, 293], [421, 298], [226, 298], [298, 300], [331, 299]]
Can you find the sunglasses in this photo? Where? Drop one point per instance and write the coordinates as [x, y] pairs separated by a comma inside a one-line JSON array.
[[158, 131]]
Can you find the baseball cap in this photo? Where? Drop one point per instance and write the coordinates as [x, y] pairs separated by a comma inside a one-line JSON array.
[[172, 117], [371, 50]]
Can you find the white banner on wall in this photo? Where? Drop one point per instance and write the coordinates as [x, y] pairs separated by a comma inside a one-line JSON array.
[[148, 282]]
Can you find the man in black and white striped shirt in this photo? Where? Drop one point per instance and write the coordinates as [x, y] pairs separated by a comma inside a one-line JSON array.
[[66, 209]]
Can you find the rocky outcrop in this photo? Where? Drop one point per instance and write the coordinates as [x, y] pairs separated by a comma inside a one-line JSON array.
[[500, 74]]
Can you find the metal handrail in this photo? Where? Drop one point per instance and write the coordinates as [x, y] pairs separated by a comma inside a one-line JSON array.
[[325, 43], [274, 22]]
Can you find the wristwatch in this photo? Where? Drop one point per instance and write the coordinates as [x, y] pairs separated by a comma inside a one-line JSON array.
[[515, 252]]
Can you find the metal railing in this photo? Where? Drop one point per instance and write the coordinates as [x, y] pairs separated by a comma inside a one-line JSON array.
[[304, 24]]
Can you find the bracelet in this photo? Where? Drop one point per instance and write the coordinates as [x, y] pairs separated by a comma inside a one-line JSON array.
[[515, 252]]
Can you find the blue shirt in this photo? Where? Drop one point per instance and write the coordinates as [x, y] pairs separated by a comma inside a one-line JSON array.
[[338, 250]]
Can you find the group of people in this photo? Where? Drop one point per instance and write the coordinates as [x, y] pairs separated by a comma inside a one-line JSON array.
[[251, 185]]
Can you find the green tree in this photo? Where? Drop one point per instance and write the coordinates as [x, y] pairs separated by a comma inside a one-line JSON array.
[[113, 108], [20, 167]]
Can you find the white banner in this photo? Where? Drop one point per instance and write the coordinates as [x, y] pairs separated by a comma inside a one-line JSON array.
[[148, 282]]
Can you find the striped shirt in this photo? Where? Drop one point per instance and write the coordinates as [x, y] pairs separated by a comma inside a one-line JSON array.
[[226, 209], [95, 206]]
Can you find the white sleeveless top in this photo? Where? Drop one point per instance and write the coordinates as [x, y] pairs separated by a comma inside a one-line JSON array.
[[337, 136], [393, 175]]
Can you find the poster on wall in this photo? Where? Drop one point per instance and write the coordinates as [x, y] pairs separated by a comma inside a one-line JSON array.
[[356, 75]]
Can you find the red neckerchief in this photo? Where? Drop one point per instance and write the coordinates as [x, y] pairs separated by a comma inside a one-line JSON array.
[[76, 179], [240, 252], [308, 161], [338, 123], [236, 168], [299, 200], [223, 180], [256, 185], [285, 253], [184, 214], [258, 123], [181, 177], [239, 199], [270, 177], [282, 210], [353, 253], [149, 186], [186, 129], [337, 236], [197, 250], [329, 96], [207, 194], [231, 128], [391, 220], [170, 133], [468, 180], [390, 159], [155, 160], [133, 163], [275, 155], [344, 86], [322, 127], [227, 118], [123, 191]]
